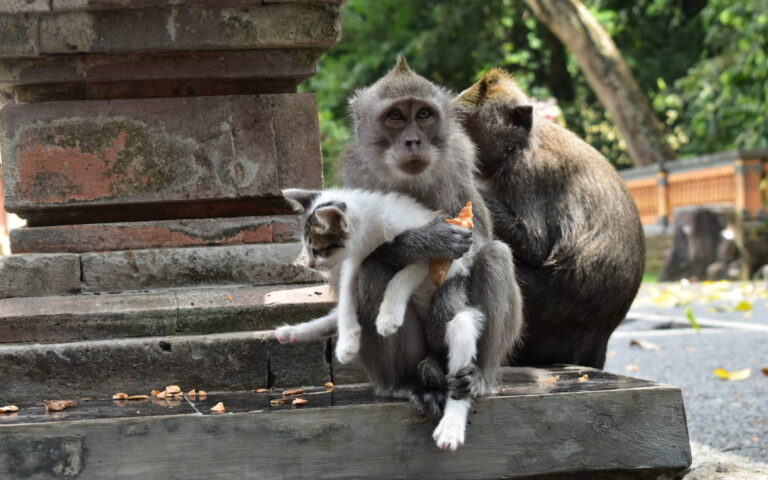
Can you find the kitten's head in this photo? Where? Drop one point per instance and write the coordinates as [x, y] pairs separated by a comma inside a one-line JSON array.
[[326, 227]]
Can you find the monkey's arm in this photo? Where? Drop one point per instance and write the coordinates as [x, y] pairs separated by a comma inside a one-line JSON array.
[[437, 239], [527, 247]]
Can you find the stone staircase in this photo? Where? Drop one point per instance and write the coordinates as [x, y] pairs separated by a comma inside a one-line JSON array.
[[158, 252]]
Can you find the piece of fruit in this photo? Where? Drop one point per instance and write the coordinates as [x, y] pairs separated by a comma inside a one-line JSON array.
[[439, 267]]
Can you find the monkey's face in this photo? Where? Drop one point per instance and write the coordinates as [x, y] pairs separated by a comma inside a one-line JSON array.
[[409, 135]]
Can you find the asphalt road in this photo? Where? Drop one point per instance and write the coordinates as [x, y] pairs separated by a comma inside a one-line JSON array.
[[730, 416]]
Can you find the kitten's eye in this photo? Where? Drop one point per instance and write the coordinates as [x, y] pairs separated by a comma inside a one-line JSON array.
[[396, 115], [424, 113]]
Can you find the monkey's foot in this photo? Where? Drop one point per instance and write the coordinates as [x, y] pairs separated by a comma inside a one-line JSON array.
[[347, 347], [449, 434], [389, 321]]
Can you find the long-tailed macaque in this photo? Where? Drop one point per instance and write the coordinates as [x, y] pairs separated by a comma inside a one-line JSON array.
[[574, 229], [408, 139]]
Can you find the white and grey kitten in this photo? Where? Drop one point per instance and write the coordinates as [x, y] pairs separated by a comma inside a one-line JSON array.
[[342, 227]]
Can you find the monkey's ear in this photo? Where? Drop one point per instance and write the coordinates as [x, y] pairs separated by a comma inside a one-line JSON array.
[[402, 64], [300, 199], [521, 116]]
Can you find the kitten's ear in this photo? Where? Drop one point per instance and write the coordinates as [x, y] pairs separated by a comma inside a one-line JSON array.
[[521, 116], [331, 219], [300, 199]]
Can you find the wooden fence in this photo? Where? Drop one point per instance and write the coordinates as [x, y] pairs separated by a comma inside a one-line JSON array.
[[722, 179]]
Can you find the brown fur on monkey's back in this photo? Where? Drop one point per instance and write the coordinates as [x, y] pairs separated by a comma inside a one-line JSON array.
[[576, 235]]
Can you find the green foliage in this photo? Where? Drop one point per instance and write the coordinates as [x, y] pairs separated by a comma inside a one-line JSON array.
[[702, 63], [724, 96]]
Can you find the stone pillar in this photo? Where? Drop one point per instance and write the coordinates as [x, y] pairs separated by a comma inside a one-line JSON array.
[[748, 201], [139, 125], [665, 212]]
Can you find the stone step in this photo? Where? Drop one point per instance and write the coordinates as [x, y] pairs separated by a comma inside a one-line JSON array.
[[222, 361], [607, 427], [30, 275], [189, 311]]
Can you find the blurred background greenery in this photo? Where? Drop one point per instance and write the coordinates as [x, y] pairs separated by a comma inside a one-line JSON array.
[[701, 62]]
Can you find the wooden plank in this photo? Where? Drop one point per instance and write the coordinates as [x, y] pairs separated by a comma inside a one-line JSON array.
[[626, 425]]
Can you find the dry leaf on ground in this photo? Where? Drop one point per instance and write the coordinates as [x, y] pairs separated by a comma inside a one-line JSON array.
[[277, 401], [644, 345], [119, 396], [58, 405], [138, 397], [260, 390], [9, 409], [734, 375], [584, 378], [299, 402], [329, 386], [218, 408], [173, 389], [288, 393]]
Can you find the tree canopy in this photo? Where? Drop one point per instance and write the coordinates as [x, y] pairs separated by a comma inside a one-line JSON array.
[[702, 63]]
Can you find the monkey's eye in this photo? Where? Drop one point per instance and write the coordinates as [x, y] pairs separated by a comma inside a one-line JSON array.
[[424, 113], [395, 114]]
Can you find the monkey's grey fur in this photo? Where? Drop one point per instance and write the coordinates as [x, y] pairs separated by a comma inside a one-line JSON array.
[[573, 227], [446, 184]]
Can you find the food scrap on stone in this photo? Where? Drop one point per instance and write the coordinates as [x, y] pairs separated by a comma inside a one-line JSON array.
[[329, 386], [277, 401], [288, 393], [58, 405], [584, 378], [120, 396], [9, 409], [260, 390], [438, 267], [218, 408], [299, 402]]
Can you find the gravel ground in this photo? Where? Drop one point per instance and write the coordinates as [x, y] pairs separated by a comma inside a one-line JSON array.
[[724, 417]]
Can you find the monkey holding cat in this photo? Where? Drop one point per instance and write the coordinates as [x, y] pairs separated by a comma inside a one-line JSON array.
[[573, 228]]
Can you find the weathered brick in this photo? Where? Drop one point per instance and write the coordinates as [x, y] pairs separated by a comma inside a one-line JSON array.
[[39, 274], [168, 233], [190, 28], [147, 151], [94, 76], [19, 34], [24, 6], [300, 156], [264, 264]]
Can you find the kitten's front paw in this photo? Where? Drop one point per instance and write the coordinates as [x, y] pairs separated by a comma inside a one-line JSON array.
[[388, 322], [286, 334], [347, 347], [449, 434]]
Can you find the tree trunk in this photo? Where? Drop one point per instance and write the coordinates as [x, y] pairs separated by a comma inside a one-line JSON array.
[[608, 75]]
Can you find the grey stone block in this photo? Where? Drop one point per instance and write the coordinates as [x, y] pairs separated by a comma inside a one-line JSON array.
[[39, 274], [617, 428], [299, 364], [234, 361], [263, 264]]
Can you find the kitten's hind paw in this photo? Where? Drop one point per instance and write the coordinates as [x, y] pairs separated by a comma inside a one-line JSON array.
[[388, 322], [347, 347]]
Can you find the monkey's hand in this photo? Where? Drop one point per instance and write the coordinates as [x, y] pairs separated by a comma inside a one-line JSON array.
[[437, 239]]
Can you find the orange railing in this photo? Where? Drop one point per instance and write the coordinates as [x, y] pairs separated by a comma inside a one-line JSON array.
[[724, 179]]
